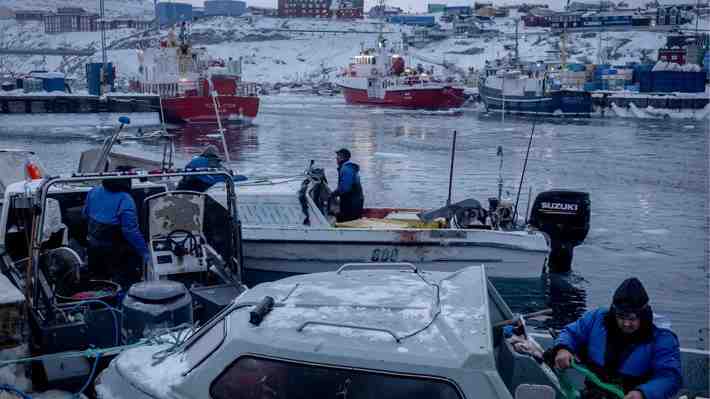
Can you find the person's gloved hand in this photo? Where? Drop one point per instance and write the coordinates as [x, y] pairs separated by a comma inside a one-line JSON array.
[[563, 359], [634, 395]]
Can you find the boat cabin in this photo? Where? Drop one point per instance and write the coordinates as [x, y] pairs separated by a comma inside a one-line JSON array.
[[360, 332], [193, 242]]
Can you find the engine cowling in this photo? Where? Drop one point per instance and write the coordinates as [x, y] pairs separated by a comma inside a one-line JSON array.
[[565, 217]]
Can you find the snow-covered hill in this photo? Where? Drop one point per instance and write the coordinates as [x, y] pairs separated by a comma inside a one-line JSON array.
[[114, 8], [274, 55]]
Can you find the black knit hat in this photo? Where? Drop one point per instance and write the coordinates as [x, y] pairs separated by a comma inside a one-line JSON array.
[[344, 152], [631, 296]]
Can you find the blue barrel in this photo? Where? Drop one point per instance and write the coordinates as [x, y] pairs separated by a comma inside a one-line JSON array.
[[93, 77]]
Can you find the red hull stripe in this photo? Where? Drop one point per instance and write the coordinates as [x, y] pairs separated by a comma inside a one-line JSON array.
[[186, 109], [419, 98]]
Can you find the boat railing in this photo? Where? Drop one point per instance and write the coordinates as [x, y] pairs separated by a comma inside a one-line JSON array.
[[379, 265], [247, 89]]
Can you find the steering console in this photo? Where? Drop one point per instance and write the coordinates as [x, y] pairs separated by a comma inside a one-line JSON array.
[[187, 245]]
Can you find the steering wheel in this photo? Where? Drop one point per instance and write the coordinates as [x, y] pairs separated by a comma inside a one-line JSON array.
[[186, 246]]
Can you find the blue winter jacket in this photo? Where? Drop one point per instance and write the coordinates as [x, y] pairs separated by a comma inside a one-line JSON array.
[[202, 162], [348, 177], [114, 209], [657, 361]]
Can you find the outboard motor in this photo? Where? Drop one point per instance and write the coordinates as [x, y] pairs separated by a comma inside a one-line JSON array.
[[314, 185], [155, 305], [564, 216]]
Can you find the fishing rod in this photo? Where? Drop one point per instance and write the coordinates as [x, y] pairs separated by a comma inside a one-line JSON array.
[[522, 175]]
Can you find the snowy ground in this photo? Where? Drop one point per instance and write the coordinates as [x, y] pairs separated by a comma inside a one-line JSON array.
[[274, 55]]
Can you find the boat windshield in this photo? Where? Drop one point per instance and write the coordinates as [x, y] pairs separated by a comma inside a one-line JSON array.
[[255, 378]]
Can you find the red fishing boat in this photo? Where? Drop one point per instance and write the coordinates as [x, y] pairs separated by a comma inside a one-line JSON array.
[[193, 86], [380, 77]]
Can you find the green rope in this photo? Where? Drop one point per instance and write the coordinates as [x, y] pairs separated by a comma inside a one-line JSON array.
[[570, 392]]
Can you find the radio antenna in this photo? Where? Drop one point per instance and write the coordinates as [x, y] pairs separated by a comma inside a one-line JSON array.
[[522, 175]]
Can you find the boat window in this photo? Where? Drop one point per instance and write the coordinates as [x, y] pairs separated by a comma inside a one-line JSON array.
[[208, 342], [256, 378]]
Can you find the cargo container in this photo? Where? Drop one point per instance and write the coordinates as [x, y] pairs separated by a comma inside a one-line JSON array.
[[93, 77], [671, 81], [51, 81]]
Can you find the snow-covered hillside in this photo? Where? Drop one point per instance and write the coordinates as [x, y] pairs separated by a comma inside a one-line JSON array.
[[273, 54], [114, 8]]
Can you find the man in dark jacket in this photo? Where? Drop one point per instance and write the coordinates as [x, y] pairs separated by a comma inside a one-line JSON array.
[[117, 250], [349, 188], [208, 159], [623, 346]]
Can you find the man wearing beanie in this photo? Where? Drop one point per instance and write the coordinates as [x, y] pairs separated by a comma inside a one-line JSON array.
[[201, 183], [622, 345]]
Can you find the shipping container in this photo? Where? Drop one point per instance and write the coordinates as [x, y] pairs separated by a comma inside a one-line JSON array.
[[93, 77], [671, 81]]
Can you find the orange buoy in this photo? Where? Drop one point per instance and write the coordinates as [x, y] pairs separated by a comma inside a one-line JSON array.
[[33, 172]]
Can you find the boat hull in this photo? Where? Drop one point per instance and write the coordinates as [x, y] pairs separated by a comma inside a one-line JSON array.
[[557, 103], [200, 109], [420, 98], [288, 251]]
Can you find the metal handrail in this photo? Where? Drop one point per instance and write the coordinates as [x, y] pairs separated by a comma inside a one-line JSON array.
[[354, 327], [391, 265]]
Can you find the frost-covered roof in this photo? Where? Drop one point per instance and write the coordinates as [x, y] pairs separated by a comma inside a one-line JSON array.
[[403, 315]]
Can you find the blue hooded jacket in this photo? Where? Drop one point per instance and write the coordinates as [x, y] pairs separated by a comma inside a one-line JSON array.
[[104, 207], [655, 362], [202, 162]]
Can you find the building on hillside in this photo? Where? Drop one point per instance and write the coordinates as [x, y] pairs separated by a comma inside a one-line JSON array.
[[527, 7], [603, 5], [562, 20], [538, 17], [435, 7], [675, 55], [264, 11], [226, 8], [29, 15], [489, 12], [607, 18], [672, 15], [6, 13], [458, 11], [171, 13], [383, 11], [70, 19], [345, 9], [478, 6], [701, 39]]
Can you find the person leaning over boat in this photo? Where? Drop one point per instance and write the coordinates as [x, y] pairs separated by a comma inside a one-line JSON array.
[[623, 346], [349, 188], [117, 250], [208, 159]]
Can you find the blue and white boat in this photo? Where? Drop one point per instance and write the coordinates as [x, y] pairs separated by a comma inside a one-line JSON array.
[[514, 91]]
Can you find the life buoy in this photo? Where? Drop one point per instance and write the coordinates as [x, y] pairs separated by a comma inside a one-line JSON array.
[[33, 171]]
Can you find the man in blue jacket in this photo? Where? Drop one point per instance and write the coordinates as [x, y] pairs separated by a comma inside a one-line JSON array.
[[623, 346], [208, 159], [349, 188], [117, 250]]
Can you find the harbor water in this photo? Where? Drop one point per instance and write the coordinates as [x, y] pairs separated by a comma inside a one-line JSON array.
[[648, 182]]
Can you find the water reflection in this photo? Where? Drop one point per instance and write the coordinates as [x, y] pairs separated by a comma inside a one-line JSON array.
[[563, 293]]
